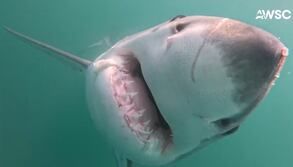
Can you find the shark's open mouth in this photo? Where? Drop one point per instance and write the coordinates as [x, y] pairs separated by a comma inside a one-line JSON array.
[[137, 105]]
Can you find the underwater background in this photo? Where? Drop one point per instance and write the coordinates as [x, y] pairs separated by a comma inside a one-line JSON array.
[[44, 120]]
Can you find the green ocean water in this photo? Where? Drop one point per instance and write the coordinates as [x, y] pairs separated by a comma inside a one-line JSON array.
[[44, 120]]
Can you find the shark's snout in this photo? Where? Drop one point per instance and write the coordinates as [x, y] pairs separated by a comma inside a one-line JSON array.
[[281, 55], [253, 59]]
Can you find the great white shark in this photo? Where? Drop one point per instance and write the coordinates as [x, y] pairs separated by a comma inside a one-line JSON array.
[[165, 92]]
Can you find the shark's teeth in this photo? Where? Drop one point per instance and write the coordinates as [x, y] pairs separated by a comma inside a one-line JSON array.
[[147, 123], [136, 115], [128, 107], [130, 94], [141, 129], [128, 82], [148, 128], [141, 111]]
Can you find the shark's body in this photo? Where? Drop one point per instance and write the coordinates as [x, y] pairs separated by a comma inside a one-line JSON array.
[[165, 92]]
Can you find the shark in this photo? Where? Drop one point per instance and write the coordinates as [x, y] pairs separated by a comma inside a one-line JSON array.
[[164, 93]]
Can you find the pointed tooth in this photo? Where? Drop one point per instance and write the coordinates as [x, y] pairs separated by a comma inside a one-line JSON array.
[[136, 115], [128, 107], [147, 128], [145, 132], [141, 111], [147, 123], [128, 82], [139, 128], [132, 94]]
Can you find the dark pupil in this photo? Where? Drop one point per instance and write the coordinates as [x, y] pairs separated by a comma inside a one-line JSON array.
[[180, 27], [177, 17]]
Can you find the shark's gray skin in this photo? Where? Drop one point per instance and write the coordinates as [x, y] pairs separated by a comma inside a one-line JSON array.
[[163, 93]]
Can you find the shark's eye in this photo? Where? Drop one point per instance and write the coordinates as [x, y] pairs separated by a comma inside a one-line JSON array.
[[179, 27], [177, 17]]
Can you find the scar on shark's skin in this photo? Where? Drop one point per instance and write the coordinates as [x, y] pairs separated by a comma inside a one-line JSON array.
[[197, 55]]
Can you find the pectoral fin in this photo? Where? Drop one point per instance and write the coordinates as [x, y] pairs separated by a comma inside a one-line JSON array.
[[76, 59]]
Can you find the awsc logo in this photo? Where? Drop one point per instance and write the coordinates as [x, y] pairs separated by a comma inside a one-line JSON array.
[[273, 14]]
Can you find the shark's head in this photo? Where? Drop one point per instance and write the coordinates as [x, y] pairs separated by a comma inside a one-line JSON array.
[[216, 69], [196, 79]]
